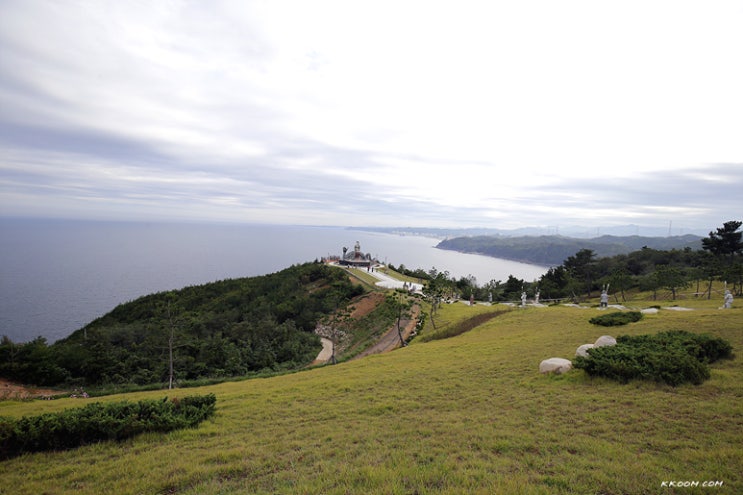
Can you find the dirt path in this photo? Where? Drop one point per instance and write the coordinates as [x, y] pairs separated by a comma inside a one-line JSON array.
[[361, 307], [391, 340], [326, 353]]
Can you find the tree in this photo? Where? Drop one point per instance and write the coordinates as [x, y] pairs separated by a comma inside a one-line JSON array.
[[400, 305], [173, 322], [554, 283], [671, 278], [726, 245], [492, 290], [438, 287], [726, 241], [580, 267], [334, 328], [621, 278], [512, 288], [434, 290]]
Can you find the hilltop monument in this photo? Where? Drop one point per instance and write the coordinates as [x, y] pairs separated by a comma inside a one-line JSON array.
[[356, 258]]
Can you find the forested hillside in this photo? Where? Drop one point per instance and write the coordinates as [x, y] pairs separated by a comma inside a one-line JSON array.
[[225, 328], [585, 273], [551, 250]]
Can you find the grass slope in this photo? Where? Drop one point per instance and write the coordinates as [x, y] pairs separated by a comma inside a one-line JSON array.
[[470, 414]]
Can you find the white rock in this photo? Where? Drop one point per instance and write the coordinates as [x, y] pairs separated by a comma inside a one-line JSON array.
[[649, 311], [555, 365], [583, 350], [605, 340]]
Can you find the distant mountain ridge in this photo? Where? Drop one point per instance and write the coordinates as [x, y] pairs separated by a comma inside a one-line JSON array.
[[574, 231], [552, 250]]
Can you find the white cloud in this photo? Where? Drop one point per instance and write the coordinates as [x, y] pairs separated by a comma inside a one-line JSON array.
[[473, 108]]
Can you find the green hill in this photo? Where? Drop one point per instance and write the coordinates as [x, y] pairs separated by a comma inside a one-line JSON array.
[[226, 328], [552, 250], [469, 414]]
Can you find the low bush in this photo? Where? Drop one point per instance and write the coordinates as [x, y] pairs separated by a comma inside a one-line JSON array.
[[99, 422], [672, 357], [617, 318]]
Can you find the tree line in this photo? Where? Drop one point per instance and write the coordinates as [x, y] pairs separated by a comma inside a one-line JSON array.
[[583, 274], [225, 328], [550, 250]]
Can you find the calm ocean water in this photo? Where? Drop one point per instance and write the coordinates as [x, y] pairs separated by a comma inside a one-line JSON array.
[[56, 276]]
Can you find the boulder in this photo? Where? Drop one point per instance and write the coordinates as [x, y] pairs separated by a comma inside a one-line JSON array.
[[605, 340], [555, 365], [617, 306], [649, 311], [583, 350]]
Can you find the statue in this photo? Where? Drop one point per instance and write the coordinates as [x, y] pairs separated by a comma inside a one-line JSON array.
[[536, 298], [728, 300], [604, 298], [523, 299]]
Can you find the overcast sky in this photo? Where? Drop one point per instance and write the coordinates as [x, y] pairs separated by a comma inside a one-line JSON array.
[[493, 114]]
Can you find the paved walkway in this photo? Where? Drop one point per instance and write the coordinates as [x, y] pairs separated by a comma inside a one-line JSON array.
[[392, 283], [327, 350]]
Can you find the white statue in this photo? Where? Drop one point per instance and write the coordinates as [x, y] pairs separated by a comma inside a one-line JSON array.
[[536, 298], [523, 298], [604, 299], [728, 299]]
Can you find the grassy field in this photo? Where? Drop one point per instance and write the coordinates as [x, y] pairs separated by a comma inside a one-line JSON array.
[[469, 414]]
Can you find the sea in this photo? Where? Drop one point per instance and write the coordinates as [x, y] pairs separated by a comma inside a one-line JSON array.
[[58, 275]]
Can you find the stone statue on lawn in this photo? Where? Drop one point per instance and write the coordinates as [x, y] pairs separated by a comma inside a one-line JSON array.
[[728, 300]]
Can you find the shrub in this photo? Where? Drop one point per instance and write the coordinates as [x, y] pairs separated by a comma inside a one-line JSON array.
[[703, 347], [98, 422], [673, 357], [617, 318]]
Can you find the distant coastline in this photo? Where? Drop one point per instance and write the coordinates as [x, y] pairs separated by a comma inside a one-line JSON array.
[[576, 232], [553, 250]]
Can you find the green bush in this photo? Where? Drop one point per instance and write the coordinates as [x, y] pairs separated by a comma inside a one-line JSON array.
[[617, 318], [99, 422], [672, 357]]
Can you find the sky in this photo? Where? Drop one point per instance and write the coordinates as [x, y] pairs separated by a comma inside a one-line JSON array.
[[497, 114]]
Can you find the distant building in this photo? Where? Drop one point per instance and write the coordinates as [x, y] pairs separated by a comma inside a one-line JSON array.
[[356, 258]]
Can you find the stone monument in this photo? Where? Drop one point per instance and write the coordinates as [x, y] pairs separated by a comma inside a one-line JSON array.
[[728, 299]]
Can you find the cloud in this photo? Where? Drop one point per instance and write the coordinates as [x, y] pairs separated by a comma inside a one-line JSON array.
[[481, 113]]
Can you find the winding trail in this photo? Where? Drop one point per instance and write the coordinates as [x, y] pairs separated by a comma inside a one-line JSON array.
[[390, 340], [326, 353]]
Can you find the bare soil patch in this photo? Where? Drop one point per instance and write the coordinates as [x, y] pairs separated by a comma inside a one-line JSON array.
[[15, 391], [391, 340], [366, 304]]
